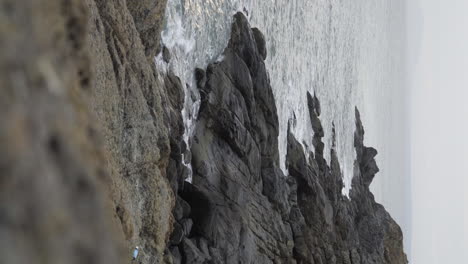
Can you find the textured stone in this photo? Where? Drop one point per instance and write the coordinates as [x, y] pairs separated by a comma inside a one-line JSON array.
[[54, 205], [133, 108], [243, 205], [148, 16], [84, 133], [91, 144]]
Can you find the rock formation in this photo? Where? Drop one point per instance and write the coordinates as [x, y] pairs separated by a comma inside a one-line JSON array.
[[84, 134], [91, 143], [243, 209]]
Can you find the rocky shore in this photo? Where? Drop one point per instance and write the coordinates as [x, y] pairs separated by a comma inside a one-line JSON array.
[[91, 144], [243, 209]]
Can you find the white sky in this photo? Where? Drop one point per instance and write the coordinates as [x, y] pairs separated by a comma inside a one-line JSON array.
[[438, 67]]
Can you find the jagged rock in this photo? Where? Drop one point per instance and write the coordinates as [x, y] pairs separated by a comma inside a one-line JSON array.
[[187, 225], [54, 206], [202, 244], [181, 209], [148, 16], [166, 54], [314, 113], [242, 204], [91, 137], [138, 116], [261, 43], [200, 77], [192, 253]]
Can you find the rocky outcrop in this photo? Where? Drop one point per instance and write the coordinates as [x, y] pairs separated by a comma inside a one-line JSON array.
[[136, 113], [84, 135], [53, 176], [91, 143], [242, 208]]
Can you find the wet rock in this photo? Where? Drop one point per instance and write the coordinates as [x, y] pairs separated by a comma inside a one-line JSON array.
[[314, 113], [200, 77], [261, 43], [166, 54], [244, 210], [84, 107]]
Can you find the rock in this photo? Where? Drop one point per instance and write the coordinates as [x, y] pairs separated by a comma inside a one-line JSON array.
[[261, 43], [202, 244], [92, 141], [85, 132], [176, 256], [192, 253], [166, 54], [200, 77], [137, 115], [148, 16], [177, 235], [54, 180], [314, 113], [187, 226], [244, 207], [181, 209], [318, 109]]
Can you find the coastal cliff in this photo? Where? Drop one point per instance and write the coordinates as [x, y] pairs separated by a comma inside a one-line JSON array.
[[91, 143], [243, 208]]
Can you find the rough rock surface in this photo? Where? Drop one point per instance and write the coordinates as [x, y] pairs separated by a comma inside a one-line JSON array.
[[243, 209], [91, 152], [135, 113], [84, 136], [53, 176]]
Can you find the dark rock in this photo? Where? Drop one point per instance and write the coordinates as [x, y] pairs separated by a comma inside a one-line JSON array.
[[177, 235], [200, 77], [235, 160], [314, 113], [187, 225], [318, 109], [82, 106], [166, 54], [261, 43], [192, 254], [176, 256], [202, 244], [244, 210], [181, 209]]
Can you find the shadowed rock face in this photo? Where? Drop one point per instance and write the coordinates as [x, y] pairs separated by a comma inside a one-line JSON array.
[[243, 209]]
